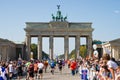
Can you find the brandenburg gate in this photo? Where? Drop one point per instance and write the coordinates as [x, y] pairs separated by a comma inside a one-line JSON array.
[[58, 27]]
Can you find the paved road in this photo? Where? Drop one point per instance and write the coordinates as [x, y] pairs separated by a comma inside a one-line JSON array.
[[65, 75]]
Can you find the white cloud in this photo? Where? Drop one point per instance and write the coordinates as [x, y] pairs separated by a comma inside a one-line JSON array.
[[116, 11]]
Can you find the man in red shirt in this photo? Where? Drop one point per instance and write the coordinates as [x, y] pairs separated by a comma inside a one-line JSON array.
[[73, 67]]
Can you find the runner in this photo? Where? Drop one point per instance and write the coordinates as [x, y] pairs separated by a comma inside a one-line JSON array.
[[10, 69], [31, 71], [27, 69], [68, 62], [60, 65], [35, 69], [19, 68], [45, 65], [52, 65], [73, 67], [40, 70]]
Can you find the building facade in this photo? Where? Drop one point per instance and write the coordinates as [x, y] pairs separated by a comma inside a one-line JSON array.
[[113, 48], [7, 50], [10, 50]]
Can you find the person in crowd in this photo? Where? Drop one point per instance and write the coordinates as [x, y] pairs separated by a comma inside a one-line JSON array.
[[73, 67], [3, 72], [27, 64], [106, 73], [60, 65], [40, 69], [45, 65], [117, 73], [112, 66], [19, 69], [84, 72], [63, 63], [15, 72], [1, 78], [68, 62], [92, 71], [35, 68], [31, 71], [77, 67], [80, 67], [10, 69], [52, 66]]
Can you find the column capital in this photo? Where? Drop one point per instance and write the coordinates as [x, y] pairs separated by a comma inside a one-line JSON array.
[[28, 35], [89, 36], [39, 37], [78, 36], [66, 36]]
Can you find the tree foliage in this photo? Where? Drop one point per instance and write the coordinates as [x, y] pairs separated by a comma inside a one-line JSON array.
[[97, 42], [34, 50], [83, 52]]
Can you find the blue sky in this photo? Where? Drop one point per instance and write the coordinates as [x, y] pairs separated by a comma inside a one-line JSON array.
[[104, 15]]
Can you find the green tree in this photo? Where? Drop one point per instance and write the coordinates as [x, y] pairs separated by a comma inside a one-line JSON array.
[[97, 42], [83, 52], [34, 50], [72, 54]]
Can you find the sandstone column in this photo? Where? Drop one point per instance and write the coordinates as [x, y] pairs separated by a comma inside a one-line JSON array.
[[22, 52], [39, 55], [0, 53], [28, 43], [89, 46], [51, 47], [77, 46], [66, 47]]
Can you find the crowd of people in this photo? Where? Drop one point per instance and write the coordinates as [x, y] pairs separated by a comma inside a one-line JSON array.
[[30, 70], [105, 68]]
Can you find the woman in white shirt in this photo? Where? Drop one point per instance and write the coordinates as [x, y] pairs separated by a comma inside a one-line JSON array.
[[10, 69]]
